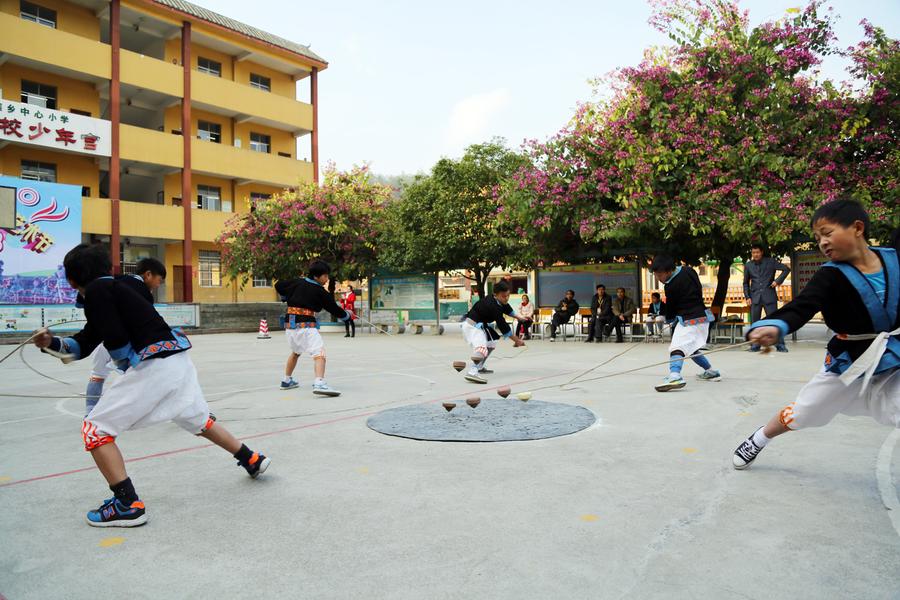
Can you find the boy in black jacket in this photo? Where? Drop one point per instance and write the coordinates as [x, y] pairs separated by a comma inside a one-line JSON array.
[[305, 297], [477, 330], [858, 293], [685, 307], [159, 382]]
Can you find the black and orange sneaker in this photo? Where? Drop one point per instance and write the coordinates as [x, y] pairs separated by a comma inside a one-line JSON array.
[[257, 465], [113, 513]]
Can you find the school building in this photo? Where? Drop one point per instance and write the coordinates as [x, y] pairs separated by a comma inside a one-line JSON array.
[[172, 119]]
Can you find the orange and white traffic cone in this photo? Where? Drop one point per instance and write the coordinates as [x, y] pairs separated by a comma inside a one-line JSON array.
[[263, 330]]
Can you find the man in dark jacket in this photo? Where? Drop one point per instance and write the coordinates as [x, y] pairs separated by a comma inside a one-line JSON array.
[[623, 310], [565, 310], [601, 315], [759, 287]]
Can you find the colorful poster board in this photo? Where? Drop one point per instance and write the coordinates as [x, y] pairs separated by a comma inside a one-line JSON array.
[[48, 225], [403, 292], [25, 319], [806, 263], [552, 282]]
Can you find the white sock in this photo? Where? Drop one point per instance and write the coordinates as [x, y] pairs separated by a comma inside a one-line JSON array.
[[760, 439], [286, 379], [320, 380]]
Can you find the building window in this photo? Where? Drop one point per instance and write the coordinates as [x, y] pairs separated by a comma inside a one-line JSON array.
[[38, 94], [37, 14], [260, 82], [210, 67], [210, 268], [76, 111], [209, 198], [256, 197], [261, 282], [210, 132], [260, 142], [38, 171]]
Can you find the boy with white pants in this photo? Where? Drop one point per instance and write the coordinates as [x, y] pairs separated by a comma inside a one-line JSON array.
[[477, 330]]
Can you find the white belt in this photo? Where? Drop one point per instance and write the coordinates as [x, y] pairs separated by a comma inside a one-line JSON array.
[[867, 363]]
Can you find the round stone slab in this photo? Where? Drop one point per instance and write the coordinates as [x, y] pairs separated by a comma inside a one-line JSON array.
[[494, 420]]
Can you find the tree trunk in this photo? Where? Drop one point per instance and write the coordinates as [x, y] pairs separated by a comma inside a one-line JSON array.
[[331, 285], [481, 281], [725, 258]]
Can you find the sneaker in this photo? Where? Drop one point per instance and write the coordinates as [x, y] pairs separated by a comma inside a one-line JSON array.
[[589, 340], [672, 381], [475, 378], [257, 465], [113, 513], [781, 348], [552, 338], [323, 389], [485, 371], [709, 375], [753, 348], [746, 453], [289, 385]]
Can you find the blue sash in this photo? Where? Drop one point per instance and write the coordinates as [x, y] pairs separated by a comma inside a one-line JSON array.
[[883, 315]]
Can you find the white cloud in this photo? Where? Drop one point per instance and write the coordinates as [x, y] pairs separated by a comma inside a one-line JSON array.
[[471, 118]]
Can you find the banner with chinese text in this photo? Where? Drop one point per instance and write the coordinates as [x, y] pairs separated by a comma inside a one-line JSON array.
[[31, 124], [48, 224]]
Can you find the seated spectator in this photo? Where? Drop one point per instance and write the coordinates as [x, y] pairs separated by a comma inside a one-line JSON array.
[[526, 311], [565, 310], [623, 310], [601, 315], [656, 315]]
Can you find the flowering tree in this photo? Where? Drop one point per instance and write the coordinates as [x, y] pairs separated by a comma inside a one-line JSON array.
[[722, 139], [448, 220], [334, 222]]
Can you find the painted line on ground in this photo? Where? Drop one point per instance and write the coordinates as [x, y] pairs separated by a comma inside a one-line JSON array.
[[885, 480], [264, 434]]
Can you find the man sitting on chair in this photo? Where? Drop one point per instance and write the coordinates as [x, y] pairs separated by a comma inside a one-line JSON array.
[[601, 315], [623, 310], [565, 310], [655, 314]]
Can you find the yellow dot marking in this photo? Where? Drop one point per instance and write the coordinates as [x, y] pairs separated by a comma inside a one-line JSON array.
[[743, 413], [5, 478], [589, 518], [290, 397], [111, 541], [689, 450], [363, 470]]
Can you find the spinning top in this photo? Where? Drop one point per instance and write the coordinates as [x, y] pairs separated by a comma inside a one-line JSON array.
[[504, 391], [524, 396], [459, 365], [473, 401], [477, 358], [448, 406]]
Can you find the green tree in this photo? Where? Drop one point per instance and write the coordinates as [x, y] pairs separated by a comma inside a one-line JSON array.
[[448, 220], [335, 222]]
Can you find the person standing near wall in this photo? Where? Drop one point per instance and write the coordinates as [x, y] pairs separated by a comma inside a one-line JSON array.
[[349, 305], [759, 287]]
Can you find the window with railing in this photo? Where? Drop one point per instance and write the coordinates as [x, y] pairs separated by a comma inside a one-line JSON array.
[[210, 67], [259, 142], [210, 268], [209, 132], [38, 94], [260, 82], [38, 171], [37, 14], [261, 282], [210, 198]]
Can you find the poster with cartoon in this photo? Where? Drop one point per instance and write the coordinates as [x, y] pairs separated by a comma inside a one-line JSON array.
[[48, 224]]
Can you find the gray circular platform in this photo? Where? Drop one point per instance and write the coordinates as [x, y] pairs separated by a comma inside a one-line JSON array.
[[494, 420]]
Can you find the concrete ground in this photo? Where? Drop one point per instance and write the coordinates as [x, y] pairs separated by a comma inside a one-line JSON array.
[[645, 504]]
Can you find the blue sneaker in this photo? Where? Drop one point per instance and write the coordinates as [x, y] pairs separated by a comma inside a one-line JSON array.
[[673, 381], [709, 375], [113, 513], [289, 385]]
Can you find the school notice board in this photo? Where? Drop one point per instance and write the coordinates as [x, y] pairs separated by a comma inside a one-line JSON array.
[[553, 282], [402, 292], [27, 318], [805, 265]]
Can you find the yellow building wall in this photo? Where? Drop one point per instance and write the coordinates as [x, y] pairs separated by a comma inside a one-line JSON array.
[[229, 291], [70, 18], [72, 169], [282, 83], [71, 93], [282, 141]]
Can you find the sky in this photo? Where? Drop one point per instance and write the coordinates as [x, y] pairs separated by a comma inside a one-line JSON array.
[[411, 81]]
